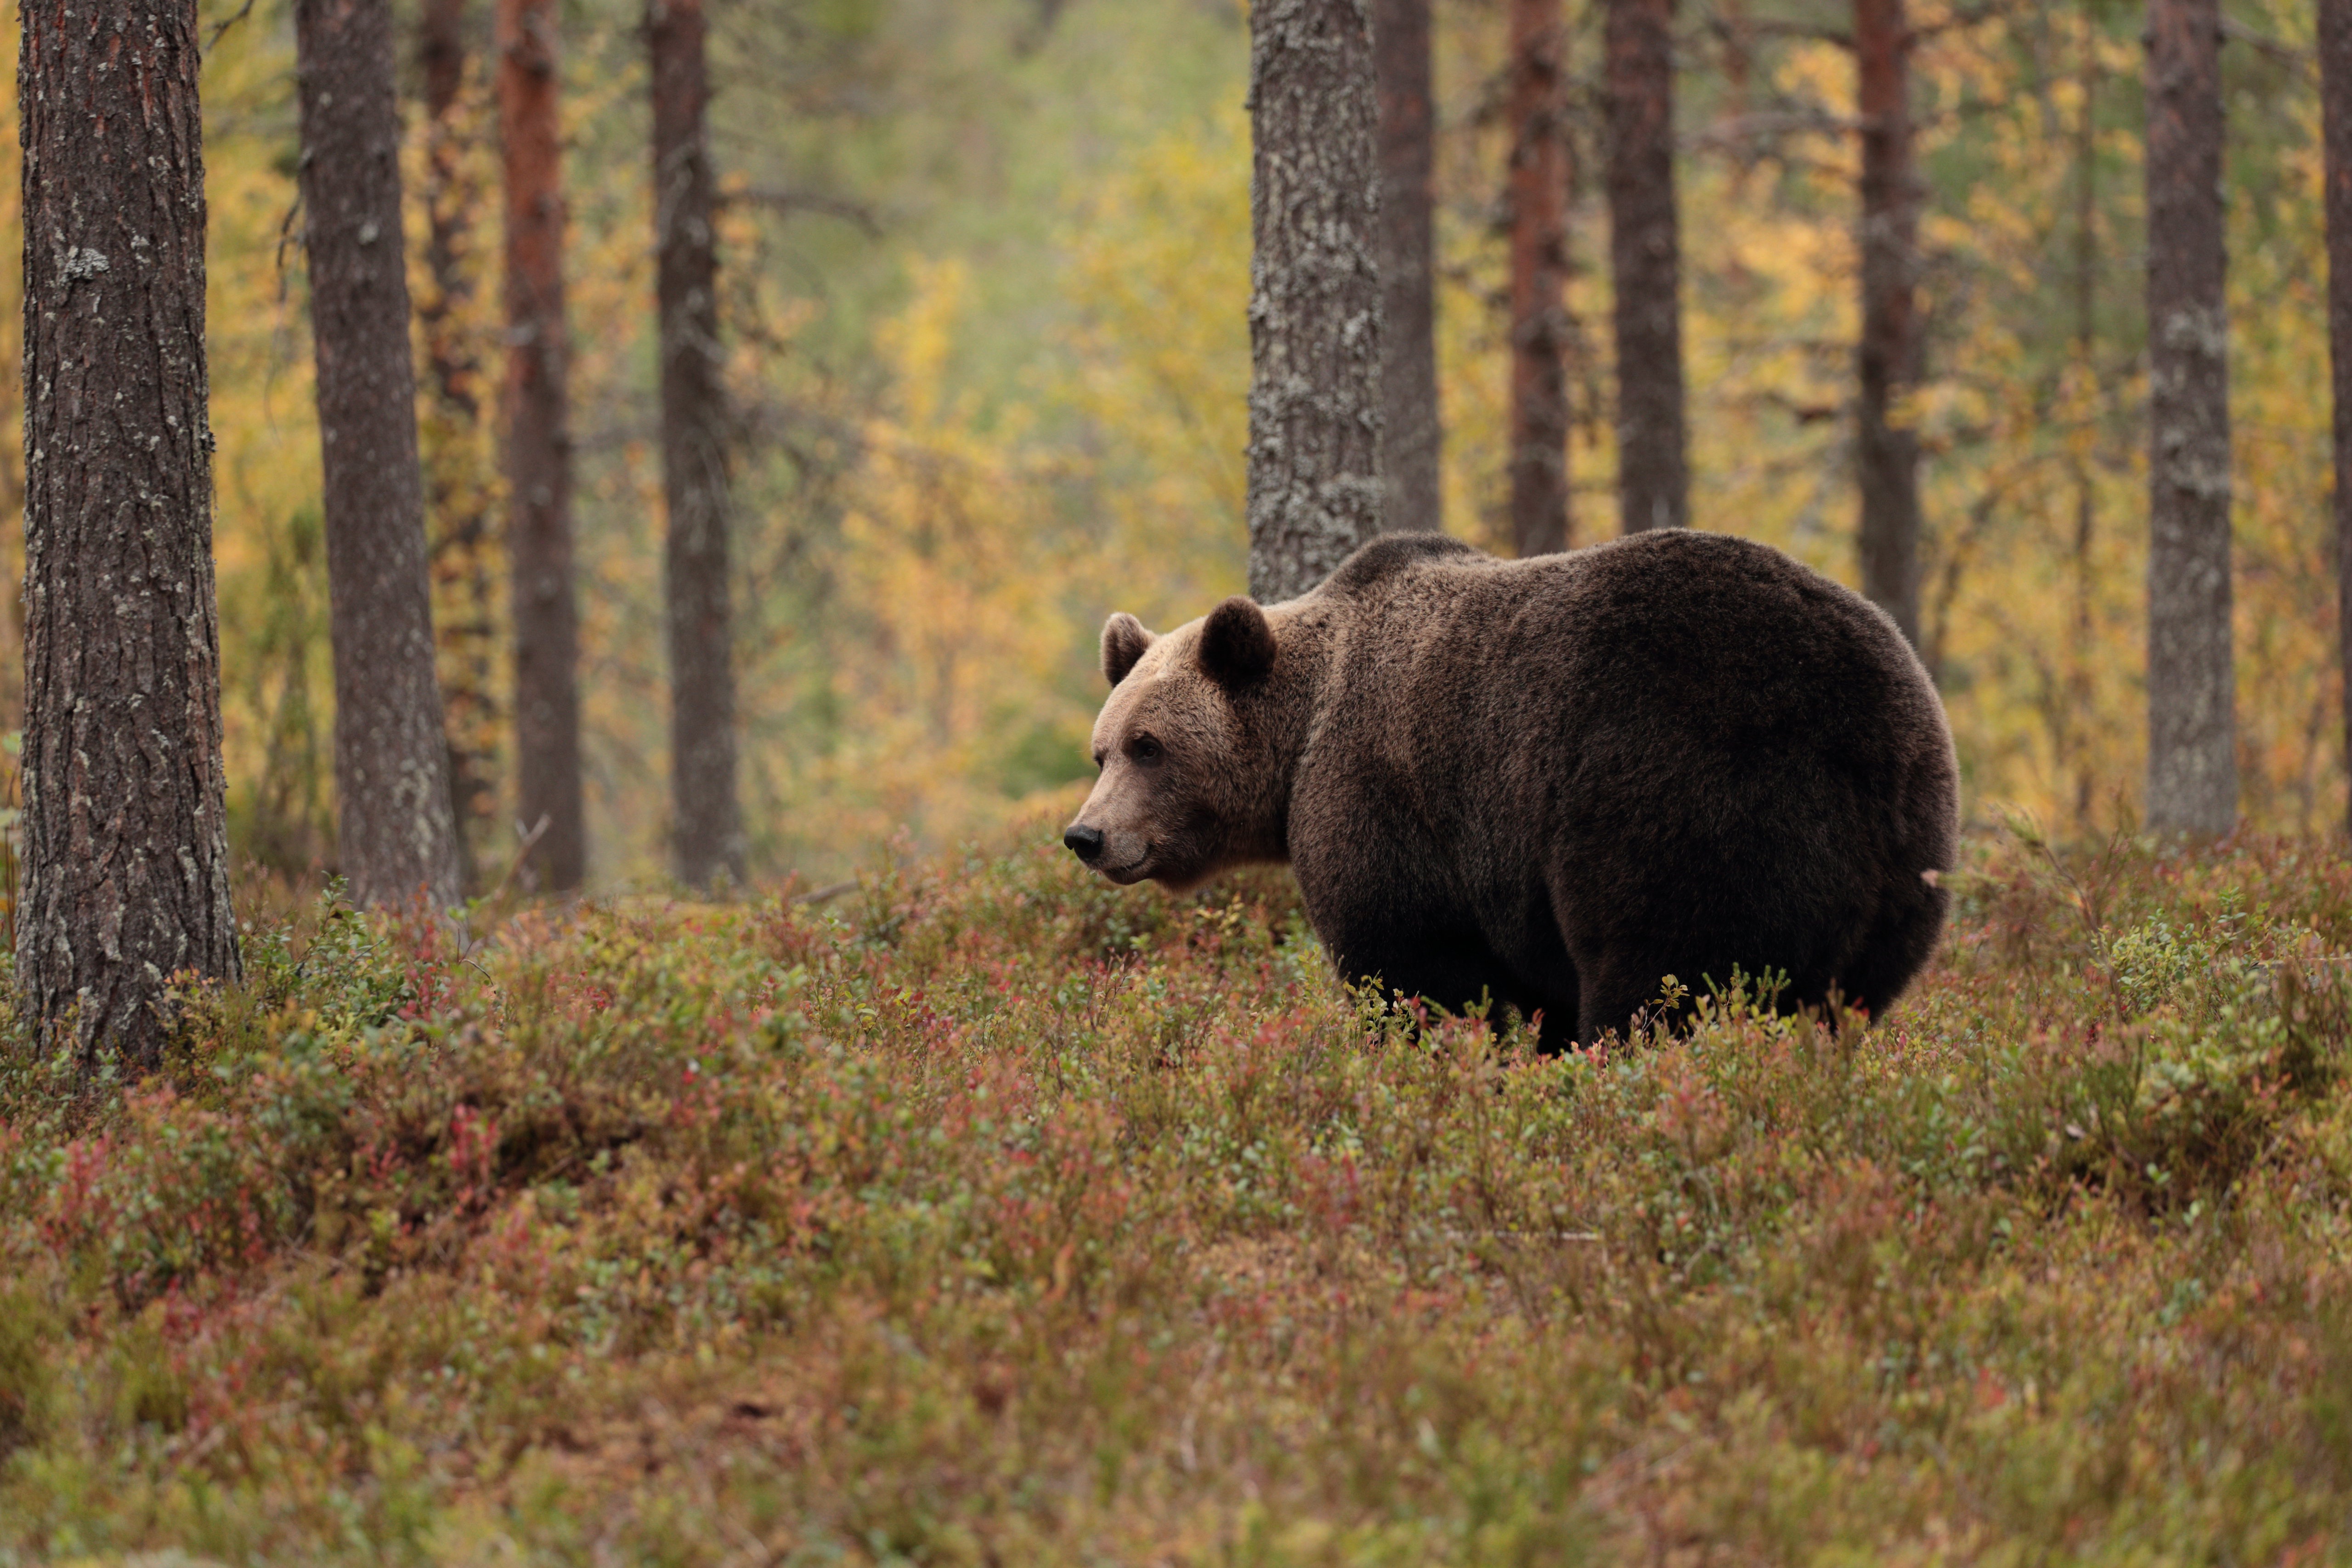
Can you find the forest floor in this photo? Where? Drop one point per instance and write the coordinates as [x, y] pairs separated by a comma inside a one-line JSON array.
[[991, 1215]]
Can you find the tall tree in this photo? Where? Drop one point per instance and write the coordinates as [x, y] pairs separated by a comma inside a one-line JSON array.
[[709, 834], [1887, 453], [126, 849], [539, 452], [2335, 114], [458, 472], [1412, 434], [1646, 261], [396, 836], [2192, 775], [1314, 490], [2075, 725], [1538, 199]]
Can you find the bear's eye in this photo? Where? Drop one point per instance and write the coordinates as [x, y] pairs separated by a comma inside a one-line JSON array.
[[1144, 749]]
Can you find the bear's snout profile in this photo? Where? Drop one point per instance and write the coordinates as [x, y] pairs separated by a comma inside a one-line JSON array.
[[1549, 784]]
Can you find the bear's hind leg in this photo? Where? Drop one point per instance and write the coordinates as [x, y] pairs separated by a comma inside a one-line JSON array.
[[1453, 970], [1900, 942]]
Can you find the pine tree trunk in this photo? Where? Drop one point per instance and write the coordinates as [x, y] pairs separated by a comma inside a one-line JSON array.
[[1412, 434], [1314, 490], [539, 452], [1645, 259], [709, 832], [2081, 652], [459, 481], [2192, 776], [1888, 455], [391, 781], [126, 850], [1537, 121], [2336, 113]]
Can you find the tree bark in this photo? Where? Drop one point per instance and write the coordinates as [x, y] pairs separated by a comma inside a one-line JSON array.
[[126, 850], [1645, 259], [1315, 490], [539, 452], [1888, 454], [458, 480], [2192, 776], [1537, 198], [2080, 654], [394, 834], [1412, 433], [709, 834], [2336, 115]]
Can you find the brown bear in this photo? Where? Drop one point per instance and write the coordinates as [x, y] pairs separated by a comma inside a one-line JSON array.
[[1549, 783]]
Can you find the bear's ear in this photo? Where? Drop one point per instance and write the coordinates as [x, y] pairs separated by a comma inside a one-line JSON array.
[[1237, 644], [1123, 642]]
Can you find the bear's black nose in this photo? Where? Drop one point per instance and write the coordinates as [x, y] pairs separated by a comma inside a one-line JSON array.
[[1084, 842]]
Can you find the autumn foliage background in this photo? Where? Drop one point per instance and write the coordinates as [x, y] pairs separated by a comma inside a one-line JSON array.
[[985, 268]]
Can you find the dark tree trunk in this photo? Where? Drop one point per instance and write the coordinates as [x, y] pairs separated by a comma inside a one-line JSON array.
[[1314, 490], [539, 452], [1645, 259], [2192, 775], [709, 832], [1412, 435], [1539, 183], [392, 783], [2335, 112], [1886, 453], [458, 475], [126, 852]]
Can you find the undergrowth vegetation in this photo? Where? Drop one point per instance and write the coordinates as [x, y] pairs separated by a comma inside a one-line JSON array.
[[991, 1215]]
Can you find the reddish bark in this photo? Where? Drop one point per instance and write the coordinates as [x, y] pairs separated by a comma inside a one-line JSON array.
[[2335, 114], [539, 452], [1540, 174]]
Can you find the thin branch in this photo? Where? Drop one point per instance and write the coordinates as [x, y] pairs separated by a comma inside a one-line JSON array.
[[782, 201]]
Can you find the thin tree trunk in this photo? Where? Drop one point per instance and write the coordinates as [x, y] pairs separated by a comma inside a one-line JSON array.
[[392, 783], [126, 851], [1412, 433], [2336, 113], [2087, 278], [1314, 490], [2192, 775], [1645, 258], [458, 477], [1537, 121], [709, 830], [1888, 454], [539, 452]]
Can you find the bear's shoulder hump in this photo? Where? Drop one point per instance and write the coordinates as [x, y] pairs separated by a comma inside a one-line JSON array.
[[1389, 554]]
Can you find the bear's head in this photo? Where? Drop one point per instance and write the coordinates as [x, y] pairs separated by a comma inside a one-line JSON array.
[[1190, 746]]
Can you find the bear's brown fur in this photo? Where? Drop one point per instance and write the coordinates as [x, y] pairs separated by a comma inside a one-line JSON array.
[[1550, 781]]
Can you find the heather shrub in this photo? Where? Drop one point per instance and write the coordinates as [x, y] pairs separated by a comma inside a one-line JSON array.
[[985, 1213]]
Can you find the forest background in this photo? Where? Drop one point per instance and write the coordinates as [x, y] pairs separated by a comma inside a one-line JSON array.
[[984, 276]]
